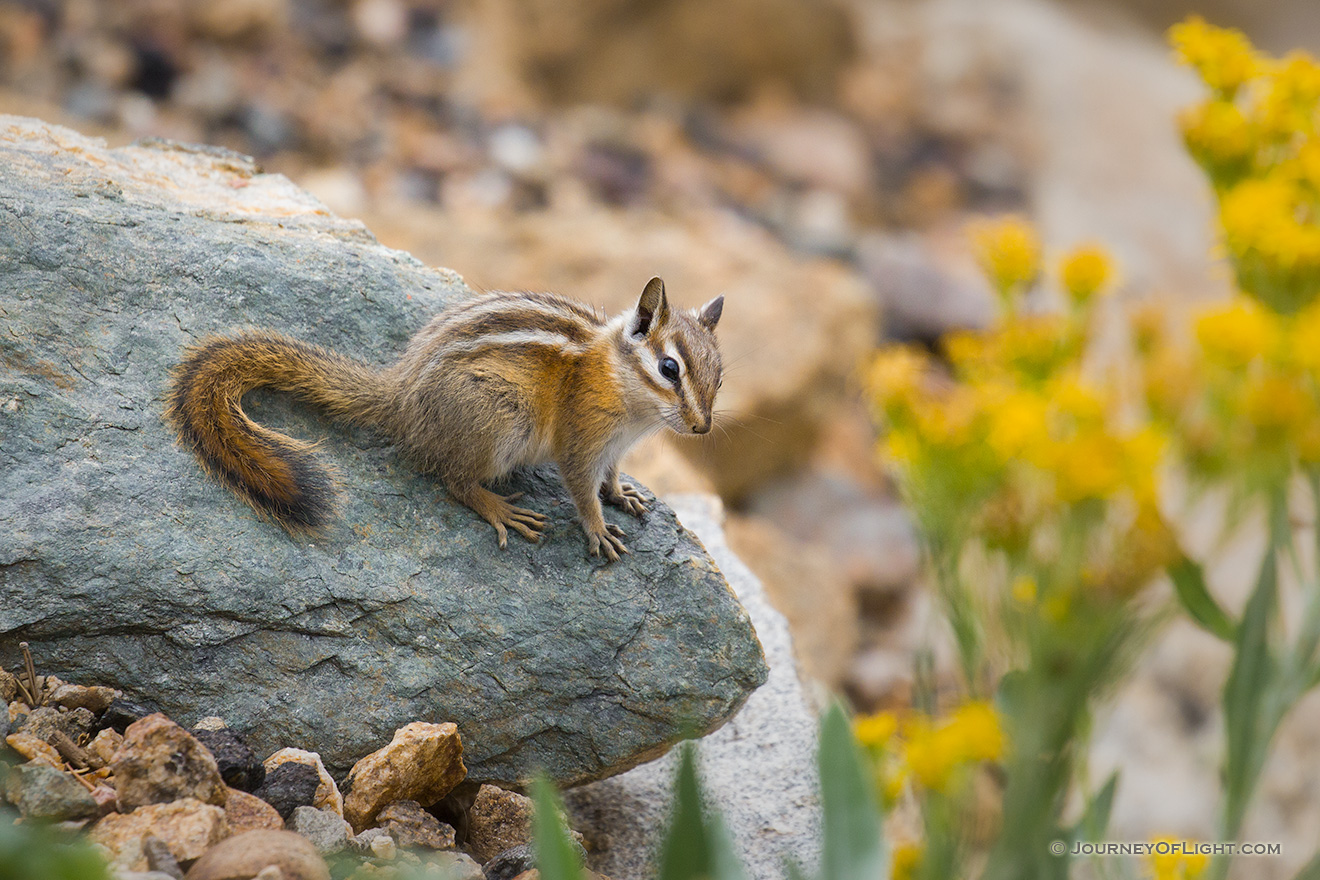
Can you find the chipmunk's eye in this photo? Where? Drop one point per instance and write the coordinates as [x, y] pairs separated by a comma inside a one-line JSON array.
[[669, 369]]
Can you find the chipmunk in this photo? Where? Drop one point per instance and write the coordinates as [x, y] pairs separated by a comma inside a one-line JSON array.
[[499, 382]]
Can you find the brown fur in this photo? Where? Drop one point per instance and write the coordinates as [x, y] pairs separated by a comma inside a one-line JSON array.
[[503, 381]]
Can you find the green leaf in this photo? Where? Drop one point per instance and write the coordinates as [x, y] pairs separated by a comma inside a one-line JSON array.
[[1189, 581], [556, 856], [1244, 697], [854, 846], [1095, 819], [696, 846]]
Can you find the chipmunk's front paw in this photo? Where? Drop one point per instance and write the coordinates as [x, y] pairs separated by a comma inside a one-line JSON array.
[[606, 542], [504, 516], [625, 497]]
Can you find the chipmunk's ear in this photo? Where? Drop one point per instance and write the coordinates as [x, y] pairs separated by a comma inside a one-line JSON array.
[[709, 314], [652, 308]]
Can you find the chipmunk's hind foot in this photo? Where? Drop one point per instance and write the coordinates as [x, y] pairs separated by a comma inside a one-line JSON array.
[[496, 510]]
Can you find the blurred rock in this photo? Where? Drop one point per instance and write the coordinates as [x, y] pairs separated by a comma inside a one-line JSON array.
[[921, 295], [159, 858], [608, 50], [881, 679], [187, 826], [34, 749], [327, 830], [380, 22], [456, 866], [247, 812], [289, 786], [806, 586], [105, 744], [869, 537], [240, 19], [806, 146], [160, 762], [411, 826], [421, 763], [8, 687], [500, 820], [122, 713], [238, 764], [244, 855], [42, 792], [327, 795]]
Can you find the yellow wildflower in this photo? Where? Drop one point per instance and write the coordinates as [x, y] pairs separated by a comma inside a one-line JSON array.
[[1277, 406], [1024, 589], [1288, 105], [1173, 864], [1075, 398], [875, 730], [905, 861], [1018, 423], [1088, 465], [1304, 340], [933, 752], [1218, 135], [1223, 57], [901, 447], [897, 374], [949, 420], [1272, 237], [976, 726], [1238, 333], [1084, 271], [1009, 254]]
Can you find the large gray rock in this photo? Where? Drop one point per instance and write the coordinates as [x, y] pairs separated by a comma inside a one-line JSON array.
[[759, 770], [123, 565]]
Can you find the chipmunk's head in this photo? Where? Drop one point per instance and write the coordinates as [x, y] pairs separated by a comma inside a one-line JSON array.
[[674, 359]]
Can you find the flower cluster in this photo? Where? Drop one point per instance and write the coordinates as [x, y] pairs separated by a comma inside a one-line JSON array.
[[929, 753], [1175, 864], [1257, 138]]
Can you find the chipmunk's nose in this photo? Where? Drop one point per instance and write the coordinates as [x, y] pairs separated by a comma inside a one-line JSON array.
[[701, 427]]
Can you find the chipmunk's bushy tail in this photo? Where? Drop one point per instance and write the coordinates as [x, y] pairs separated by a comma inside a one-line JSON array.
[[279, 476]]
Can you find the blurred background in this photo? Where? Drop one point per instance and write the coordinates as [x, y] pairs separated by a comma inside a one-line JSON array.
[[816, 161]]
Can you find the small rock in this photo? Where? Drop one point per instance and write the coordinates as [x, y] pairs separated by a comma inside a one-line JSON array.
[[187, 826], [246, 855], [511, 863], [455, 866], [411, 826], [327, 792], [159, 857], [160, 762], [121, 713], [499, 820], [210, 722], [238, 764], [247, 812], [42, 792], [362, 842], [75, 696], [105, 744], [43, 722], [17, 711], [34, 749], [422, 763], [107, 799], [288, 787], [327, 830], [383, 847], [8, 687]]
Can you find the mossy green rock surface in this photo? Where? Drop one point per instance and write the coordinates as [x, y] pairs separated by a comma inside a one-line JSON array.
[[122, 564]]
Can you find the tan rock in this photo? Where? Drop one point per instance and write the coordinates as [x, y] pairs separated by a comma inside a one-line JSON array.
[[17, 710], [327, 795], [187, 826], [160, 762], [105, 744], [34, 749], [75, 696], [499, 820], [247, 855], [8, 687], [247, 812], [422, 763], [412, 826]]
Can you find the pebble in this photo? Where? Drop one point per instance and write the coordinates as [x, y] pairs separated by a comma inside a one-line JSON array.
[[412, 826], [455, 866], [42, 792], [8, 687], [246, 855], [160, 762], [327, 795], [247, 812], [187, 826], [44, 722], [75, 696], [422, 763], [105, 744], [34, 749], [383, 847], [238, 764], [288, 787], [121, 713], [327, 831], [498, 821]]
